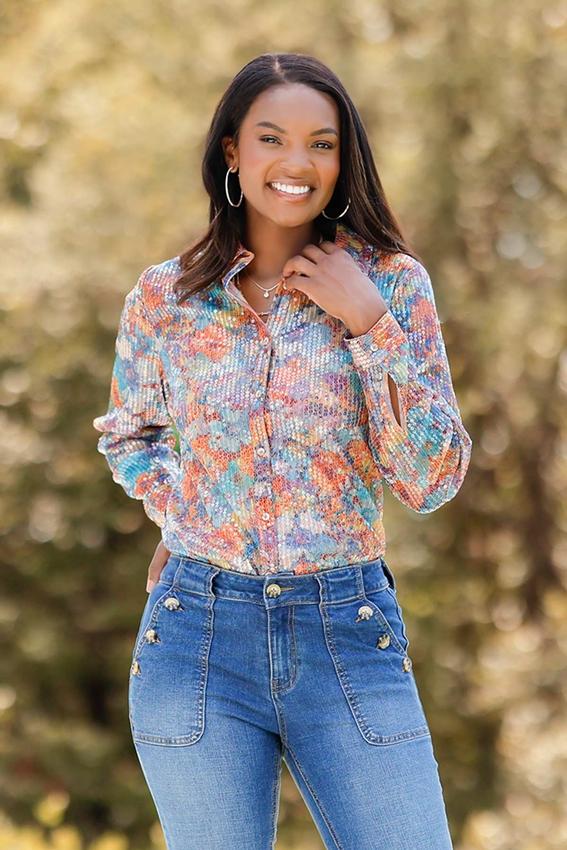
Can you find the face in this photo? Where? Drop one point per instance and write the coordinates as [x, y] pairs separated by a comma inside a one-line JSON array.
[[290, 135]]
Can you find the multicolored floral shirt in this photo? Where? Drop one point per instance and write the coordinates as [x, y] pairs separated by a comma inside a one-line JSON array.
[[263, 446]]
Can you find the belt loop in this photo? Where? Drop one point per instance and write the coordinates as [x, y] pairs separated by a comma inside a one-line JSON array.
[[213, 572], [175, 580]]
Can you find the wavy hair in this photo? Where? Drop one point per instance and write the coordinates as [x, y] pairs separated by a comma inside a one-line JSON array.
[[369, 213]]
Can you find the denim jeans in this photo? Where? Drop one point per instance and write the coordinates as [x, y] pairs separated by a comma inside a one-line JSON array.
[[231, 673]]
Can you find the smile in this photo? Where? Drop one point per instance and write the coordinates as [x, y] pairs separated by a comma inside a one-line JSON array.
[[290, 192]]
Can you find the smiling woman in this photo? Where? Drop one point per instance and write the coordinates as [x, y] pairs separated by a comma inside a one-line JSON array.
[[287, 178], [285, 186], [273, 627]]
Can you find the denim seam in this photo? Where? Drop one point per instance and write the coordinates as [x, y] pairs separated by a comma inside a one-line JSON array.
[[165, 828], [152, 620], [400, 615], [276, 795], [316, 800], [293, 677], [387, 625], [280, 717]]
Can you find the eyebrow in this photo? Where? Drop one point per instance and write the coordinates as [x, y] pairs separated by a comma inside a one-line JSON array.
[[323, 130]]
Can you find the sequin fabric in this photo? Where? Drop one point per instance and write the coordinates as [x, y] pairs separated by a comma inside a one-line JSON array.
[[286, 428]]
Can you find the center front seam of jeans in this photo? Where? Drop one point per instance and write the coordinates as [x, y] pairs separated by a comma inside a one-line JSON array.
[[316, 800]]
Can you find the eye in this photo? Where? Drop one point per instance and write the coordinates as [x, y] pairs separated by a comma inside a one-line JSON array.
[[329, 146]]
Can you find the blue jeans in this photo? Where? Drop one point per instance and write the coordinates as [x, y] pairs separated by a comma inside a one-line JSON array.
[[232, 672]]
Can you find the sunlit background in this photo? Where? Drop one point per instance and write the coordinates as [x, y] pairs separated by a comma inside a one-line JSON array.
[[103, 114]]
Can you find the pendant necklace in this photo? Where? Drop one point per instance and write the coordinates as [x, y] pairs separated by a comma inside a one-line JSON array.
[[265, 291]]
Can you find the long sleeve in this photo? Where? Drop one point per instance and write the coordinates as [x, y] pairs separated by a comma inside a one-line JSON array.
[[424, 460], [138, 439]]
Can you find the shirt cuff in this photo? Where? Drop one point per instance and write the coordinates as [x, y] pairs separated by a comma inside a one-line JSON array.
[[383, 345], [155, 503]]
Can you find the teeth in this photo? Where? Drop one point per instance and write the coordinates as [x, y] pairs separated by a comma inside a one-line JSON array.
[[293, 190]]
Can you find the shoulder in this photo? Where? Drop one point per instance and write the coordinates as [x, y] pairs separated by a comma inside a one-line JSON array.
[[397, 264], [155, 286], [396, 274], [386, 268]]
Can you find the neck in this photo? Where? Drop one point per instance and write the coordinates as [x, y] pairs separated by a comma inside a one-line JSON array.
[[272, 245]]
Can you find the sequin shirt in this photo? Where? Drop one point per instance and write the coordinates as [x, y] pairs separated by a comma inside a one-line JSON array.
[[263, 445]]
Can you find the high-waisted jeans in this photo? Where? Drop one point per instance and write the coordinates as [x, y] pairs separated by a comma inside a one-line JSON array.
[[233, 672]]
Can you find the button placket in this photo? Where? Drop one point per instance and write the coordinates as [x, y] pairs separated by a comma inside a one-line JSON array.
[[262, 477]]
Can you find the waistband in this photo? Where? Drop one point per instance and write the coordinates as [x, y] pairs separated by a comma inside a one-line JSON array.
[[336, 584]]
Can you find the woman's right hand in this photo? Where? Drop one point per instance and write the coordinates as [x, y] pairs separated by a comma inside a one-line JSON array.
[[157, 564]]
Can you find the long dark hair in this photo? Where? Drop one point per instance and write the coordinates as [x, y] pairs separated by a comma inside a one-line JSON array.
[[369, 213]]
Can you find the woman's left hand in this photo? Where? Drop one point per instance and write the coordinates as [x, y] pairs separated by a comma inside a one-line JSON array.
[[330, 276]]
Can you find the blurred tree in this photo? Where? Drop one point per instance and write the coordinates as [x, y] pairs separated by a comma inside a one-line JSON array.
[[104, 111]]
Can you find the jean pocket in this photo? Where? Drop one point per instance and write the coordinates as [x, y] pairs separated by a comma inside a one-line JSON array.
[[367, 643], [168, 675]]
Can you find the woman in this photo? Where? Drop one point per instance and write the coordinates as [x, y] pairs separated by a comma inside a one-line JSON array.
[[297, 350]]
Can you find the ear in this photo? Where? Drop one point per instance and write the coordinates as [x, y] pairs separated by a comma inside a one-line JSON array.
[[229, 151]]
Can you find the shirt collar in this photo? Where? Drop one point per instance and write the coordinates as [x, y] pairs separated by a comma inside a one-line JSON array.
[[243, 255]]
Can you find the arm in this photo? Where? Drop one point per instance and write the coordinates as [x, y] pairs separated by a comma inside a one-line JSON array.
[[138, 440], [425, 456]]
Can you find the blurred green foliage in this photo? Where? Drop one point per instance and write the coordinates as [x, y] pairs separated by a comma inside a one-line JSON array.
[[102, 119]]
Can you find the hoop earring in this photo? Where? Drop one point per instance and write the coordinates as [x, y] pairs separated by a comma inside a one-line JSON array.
[[226, 189], [338, 216]]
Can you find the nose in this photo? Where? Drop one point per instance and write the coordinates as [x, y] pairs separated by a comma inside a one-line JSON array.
[[297, 163]]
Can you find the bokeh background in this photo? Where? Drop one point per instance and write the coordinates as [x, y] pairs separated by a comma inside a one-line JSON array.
[[103, 112]]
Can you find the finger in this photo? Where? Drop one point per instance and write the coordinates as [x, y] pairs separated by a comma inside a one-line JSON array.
[[312, 252], [329, 247], [298, 265], [315, 253], [157, 564], [154, 571]]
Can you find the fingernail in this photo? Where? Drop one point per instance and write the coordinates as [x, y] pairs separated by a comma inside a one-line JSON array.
[[150, 585]]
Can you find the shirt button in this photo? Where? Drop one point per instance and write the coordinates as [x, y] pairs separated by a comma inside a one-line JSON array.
[[266, 516], [374, 346], [264, 341], [261, 450], [258, 393]]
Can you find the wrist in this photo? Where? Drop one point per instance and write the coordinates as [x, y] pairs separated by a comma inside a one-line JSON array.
[[364, 313]]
